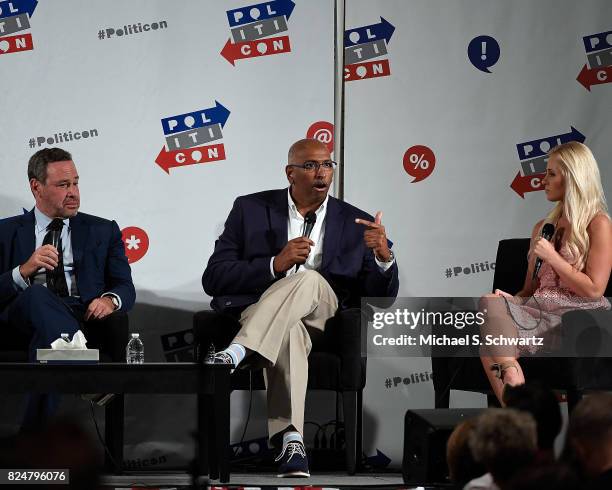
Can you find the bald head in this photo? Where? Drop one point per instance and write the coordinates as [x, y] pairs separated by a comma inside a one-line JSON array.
[[308, 186], [303, 146]]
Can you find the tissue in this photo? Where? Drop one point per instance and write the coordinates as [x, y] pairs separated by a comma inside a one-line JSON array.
[[74, 351], [78, 342]]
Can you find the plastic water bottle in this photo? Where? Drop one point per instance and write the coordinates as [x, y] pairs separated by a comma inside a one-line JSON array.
[[210, 354], [134, 351]]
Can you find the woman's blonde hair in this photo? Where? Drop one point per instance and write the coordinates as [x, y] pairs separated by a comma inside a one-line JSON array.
[[584, 197]]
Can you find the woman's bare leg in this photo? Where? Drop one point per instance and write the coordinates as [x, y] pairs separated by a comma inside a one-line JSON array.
[[499, 362]]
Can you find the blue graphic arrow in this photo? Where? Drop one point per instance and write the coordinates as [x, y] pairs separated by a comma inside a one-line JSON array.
[[532, 149], [575, 135], [16, 7], [267, 10], [206, 117], [218, 114], [382, 30]]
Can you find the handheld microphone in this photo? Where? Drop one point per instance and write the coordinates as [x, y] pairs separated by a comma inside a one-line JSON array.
[[548, 231], [56, 236], [309, 221]]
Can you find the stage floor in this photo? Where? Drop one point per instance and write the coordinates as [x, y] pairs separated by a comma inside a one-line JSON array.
[[262, 480]]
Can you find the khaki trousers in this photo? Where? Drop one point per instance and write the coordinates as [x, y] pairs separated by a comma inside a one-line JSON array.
[[276, 328]]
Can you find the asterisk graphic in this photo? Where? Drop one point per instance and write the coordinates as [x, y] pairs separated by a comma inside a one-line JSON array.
[[132, 242]]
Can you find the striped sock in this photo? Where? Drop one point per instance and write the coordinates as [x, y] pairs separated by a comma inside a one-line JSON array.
[[290, 437], [236, 351]]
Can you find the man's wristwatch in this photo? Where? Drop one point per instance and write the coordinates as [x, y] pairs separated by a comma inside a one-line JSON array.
[[114, 300], [391, 257]]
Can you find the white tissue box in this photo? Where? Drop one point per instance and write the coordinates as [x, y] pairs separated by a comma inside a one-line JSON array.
[[67, 355]]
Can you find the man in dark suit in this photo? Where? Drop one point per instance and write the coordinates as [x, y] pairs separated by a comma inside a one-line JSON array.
[[285, 286], [59, 267]]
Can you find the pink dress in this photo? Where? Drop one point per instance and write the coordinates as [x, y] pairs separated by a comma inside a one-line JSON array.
[[540, 315]]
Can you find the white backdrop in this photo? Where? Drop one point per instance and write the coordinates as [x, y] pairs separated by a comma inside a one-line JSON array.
[[122, 87], [472, 121]]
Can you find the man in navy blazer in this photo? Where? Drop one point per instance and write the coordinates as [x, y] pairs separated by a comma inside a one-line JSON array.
[[285, 286], [45, 291]]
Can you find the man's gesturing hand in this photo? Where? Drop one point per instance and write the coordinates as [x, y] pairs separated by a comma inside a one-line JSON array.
[[45, 256], [375, 237], [295, 252]]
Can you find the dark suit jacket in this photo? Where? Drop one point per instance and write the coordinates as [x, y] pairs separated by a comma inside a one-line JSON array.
[[238, 271], [99, 257]]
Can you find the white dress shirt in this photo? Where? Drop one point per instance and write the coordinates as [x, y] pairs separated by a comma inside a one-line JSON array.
[[295, 229]]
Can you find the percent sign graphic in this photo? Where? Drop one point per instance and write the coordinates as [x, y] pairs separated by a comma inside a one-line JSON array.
[[419, 162]]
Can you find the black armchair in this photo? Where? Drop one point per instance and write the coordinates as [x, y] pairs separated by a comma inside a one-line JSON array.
[[336, 363], [574, 376], [110, 337]]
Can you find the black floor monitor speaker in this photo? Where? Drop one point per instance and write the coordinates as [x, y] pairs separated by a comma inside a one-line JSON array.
[[425, 435]]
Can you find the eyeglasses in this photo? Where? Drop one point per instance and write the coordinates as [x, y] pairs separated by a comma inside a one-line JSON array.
[[314, 166]]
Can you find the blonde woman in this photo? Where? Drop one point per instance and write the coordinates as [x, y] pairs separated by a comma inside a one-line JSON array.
[[575, 267]]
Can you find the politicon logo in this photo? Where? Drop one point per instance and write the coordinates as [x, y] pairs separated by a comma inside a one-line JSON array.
[[363, 49], [533, 156], [178, 346], [255, 30], [193, 138], [598, 70], [15, 18]]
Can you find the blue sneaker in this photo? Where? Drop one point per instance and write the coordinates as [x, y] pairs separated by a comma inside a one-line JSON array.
[[293, 461]]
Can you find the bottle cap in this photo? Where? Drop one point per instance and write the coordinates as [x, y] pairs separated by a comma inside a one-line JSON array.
[[135, 335]]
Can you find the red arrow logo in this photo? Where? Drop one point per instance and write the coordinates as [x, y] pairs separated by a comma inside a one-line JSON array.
[[230, 52], [189, 156], [528, 183], [14, 44], [369, 69], [596, 76], [252, 49]]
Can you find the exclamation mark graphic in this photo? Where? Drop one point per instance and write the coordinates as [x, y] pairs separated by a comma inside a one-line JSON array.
[[483, 56]]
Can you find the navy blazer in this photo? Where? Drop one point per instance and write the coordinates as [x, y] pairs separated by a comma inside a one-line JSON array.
[[238, 271], [100, 264]]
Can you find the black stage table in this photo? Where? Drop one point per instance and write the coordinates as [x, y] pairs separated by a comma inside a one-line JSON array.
[[211, 383]]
